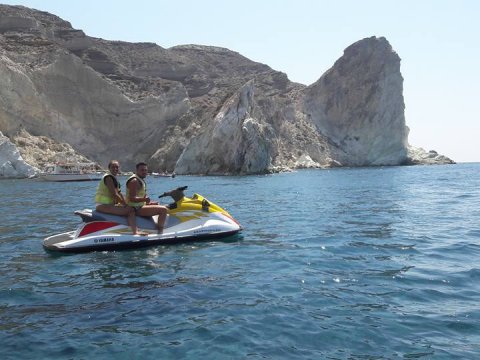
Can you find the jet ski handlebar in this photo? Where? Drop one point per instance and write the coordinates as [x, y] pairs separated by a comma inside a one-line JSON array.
[[175, 194]]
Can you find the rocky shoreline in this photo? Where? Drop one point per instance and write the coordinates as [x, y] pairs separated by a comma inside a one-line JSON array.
[[27, 155], [14, 166]]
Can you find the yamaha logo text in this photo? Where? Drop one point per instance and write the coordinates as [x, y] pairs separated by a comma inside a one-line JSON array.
[[104, 240]]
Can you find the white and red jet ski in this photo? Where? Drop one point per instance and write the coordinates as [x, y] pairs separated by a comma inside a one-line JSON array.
[[188, 219]]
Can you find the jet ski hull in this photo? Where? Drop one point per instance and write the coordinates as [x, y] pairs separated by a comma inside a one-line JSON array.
[[59, 243]]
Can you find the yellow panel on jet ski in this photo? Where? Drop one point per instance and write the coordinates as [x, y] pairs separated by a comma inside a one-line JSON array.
[[194, 208]]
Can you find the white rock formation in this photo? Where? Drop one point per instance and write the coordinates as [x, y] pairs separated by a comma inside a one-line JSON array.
[[417, 155], [235, 142], [358, 104], [12, 164], [39, 151], [304, 161]]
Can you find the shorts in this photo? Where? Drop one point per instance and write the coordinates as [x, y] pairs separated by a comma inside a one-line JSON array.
[[137, 208]]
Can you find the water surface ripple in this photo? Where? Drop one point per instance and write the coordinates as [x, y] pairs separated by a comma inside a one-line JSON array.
[[374, 263]]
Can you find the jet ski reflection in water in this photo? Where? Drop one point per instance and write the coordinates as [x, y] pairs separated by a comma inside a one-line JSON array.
[[188, 219]]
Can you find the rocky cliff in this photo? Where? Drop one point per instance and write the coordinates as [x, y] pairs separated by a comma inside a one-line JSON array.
[[358, 104], [40, 151], [195, 109], [12, 165]]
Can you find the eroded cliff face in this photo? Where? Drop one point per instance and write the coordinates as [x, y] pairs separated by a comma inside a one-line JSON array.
[[49, 90], [235, 142], [40, 151], [358, 104], [12, 165], [195, 109]]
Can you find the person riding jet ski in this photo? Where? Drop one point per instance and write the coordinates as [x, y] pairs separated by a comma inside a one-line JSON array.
[[138, 199], [110, 200]]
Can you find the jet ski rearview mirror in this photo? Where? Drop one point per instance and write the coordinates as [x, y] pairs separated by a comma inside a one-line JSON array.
[[176, 194]]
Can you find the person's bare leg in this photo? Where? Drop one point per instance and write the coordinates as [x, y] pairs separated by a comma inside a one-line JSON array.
[[151, 210], [132, 221], [127, 211], [162, 216]]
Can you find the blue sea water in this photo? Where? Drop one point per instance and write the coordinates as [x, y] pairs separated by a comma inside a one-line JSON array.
[[370, 263]]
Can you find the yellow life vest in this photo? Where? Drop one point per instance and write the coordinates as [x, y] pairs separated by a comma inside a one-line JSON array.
[[140, 192], [103, 196]]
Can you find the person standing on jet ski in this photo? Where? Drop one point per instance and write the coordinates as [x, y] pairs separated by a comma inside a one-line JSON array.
[[110, 200], [138, 199]]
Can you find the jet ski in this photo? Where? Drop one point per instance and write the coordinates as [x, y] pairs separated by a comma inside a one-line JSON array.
[[188, 219]]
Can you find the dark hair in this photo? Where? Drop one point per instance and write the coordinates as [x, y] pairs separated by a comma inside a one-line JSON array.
[[112, 162], [140, 164]]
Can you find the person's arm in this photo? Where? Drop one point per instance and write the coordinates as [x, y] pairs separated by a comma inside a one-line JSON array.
[[132, 192], [114, 191], [123, 201], [148, 201]]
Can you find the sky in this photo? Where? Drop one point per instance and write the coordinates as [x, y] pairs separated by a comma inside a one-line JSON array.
[[437, 40]]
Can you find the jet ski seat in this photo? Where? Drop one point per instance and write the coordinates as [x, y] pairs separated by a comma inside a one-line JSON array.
[[143, 222]]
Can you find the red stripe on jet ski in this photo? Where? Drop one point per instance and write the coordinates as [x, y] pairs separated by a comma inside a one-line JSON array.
[[95, 226]]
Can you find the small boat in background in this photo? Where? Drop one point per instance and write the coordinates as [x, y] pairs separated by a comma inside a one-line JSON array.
[[71, 172], [156, 174]]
